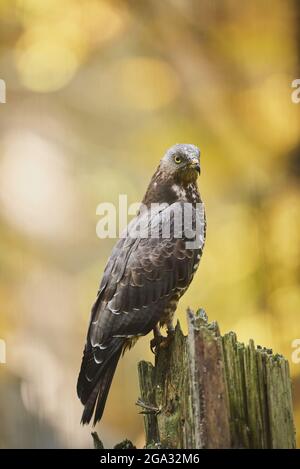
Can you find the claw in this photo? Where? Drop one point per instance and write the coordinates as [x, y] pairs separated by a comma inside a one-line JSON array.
[[155, 343], [160, 341]]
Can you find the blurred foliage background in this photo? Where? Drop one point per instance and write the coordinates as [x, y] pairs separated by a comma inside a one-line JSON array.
[[96, 92]]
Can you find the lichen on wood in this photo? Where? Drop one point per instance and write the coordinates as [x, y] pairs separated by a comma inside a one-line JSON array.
[[209, 391]]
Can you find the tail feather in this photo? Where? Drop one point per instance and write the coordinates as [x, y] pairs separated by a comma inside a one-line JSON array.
[[89, 406], [105, 386], [98, 396]]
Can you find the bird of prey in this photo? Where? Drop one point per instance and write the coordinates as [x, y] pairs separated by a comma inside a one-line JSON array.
[[145, 275]]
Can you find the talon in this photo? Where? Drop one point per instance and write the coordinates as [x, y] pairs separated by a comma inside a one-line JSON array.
[[167, 340], [161, 342], [155, 343], [171, 332]]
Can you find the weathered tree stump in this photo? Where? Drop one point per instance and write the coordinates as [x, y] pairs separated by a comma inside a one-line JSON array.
[[209, 391]]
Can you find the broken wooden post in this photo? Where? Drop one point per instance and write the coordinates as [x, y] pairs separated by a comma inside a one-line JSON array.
[[209, 391]]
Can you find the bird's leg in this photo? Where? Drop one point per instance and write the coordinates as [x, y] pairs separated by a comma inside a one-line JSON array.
[[170, 328], [157, 339], [160, 341], [170, 334]]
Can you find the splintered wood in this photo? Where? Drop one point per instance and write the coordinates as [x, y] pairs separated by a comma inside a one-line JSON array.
[[209, 391]]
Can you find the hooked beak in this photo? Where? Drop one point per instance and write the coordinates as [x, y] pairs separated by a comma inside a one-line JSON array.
[[194, 164]]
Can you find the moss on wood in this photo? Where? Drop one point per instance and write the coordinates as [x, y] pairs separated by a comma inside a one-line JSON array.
[[209, 391]]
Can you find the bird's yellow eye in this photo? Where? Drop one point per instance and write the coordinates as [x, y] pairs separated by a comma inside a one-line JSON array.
[[177, 159]]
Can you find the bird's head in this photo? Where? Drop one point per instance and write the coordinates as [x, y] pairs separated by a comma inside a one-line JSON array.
[[182, 162]]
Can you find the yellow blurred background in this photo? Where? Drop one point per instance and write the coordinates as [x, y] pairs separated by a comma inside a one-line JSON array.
[[96, 92]]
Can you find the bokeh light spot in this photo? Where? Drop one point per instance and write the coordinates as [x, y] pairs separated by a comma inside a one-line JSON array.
[[148, 83], [35, 193], [46, 66]]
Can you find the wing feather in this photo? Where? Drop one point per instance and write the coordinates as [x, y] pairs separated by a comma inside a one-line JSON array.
[[139, 280]]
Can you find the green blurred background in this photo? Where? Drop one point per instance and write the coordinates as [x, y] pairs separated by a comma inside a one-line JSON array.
[[96, 92]]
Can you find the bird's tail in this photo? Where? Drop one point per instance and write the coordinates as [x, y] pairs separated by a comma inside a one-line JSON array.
[[98, 396]]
